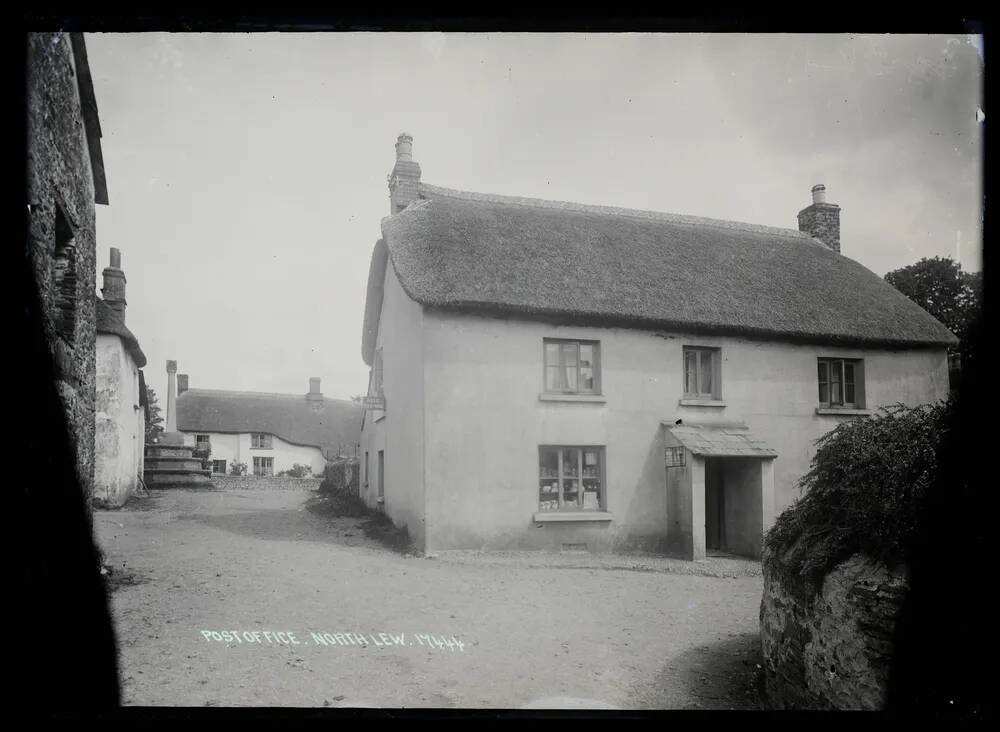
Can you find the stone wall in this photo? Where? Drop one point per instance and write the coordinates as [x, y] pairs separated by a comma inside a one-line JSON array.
[[60, 190], [831, 649], [253, 483]]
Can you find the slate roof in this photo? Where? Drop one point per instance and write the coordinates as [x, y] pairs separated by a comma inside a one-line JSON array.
[[720, 441], [601, 266], [108, 321], [324, 423]]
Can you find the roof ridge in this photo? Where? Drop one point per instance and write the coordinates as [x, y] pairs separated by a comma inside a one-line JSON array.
[[609, 210], [235, 392]]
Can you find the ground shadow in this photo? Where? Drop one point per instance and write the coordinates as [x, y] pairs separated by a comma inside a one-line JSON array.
[[337, 506], [318, 519], [727, 674], [285, 525]]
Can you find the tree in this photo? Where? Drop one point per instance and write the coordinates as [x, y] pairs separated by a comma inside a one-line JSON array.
[[154, 422], [941, 288]]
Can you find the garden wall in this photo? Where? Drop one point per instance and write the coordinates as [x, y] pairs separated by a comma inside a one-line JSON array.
[[253, 483], [831, 649]]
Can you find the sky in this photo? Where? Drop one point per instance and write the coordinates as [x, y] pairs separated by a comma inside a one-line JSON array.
[[247, 172]]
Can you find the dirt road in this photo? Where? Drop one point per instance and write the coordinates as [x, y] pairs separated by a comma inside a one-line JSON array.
[[248, 598]]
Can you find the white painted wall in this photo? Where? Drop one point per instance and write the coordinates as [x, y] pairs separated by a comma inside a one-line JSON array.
[[120, 428], [399, 431], [237, 446], [484, 419]]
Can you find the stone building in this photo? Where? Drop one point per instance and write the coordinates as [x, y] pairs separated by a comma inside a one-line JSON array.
[[121, 404], [65, 179], [558, 375]]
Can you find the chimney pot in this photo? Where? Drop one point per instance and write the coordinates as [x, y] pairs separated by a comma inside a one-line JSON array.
[[116, 258], [819, 193], [404, 146], [182, 383]]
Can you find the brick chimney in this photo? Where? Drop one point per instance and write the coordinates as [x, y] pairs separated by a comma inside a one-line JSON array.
[[404, 180], [114, 284], [182, 383], [821, 220], [315, 396]]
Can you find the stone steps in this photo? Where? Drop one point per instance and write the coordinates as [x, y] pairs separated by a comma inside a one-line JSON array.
[[171, 464]]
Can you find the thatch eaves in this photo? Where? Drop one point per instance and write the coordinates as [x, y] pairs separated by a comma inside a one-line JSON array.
[[528, 258], [108, 321]]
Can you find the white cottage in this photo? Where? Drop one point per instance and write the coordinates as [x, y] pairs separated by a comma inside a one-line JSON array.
[[557, 375], [269, 433], [120, 405]]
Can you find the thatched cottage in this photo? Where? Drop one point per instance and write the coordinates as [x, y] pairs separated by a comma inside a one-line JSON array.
[[120, 413], [556, 375], [269, 433], [65, 170]]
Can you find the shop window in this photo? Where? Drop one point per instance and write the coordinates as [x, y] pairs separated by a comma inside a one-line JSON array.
[[571, 478]]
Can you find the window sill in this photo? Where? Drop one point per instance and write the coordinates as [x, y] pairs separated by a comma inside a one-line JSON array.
[[847, 412], [542, 517], [702, 403], [379, 419], [261, 448], [590, 398]]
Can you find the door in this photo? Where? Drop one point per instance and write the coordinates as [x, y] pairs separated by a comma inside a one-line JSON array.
[[381, 474], [715, 507]]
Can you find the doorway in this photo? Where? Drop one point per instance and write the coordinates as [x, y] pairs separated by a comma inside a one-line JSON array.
[[715, 506], [734, 506], [381, 474]]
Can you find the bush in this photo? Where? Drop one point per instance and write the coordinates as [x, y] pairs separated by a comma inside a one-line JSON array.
[[341, 476], [298, 471], [236, 468], [863, 494]]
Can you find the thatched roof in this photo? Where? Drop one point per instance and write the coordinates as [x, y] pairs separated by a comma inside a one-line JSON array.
[[324, 423], [529, 258], [108, 321]]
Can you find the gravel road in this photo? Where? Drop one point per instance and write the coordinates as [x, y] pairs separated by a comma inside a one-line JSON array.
[[342, 621]]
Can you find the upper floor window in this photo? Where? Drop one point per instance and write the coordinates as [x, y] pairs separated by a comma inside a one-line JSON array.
[[572, 367], [702, 373], [202, 442], [841, 382], [261, 440]]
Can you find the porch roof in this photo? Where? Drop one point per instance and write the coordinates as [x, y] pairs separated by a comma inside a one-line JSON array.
[[720, 440]]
